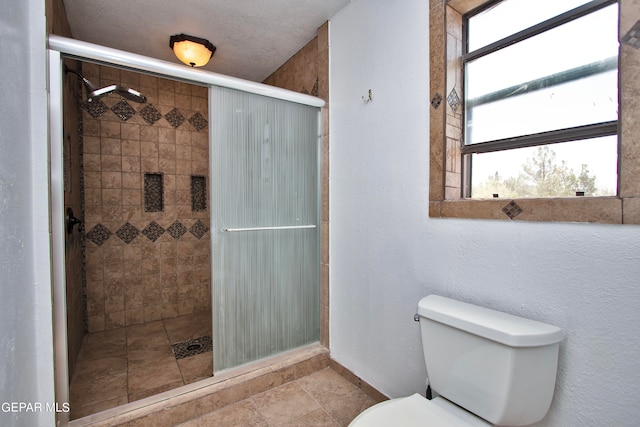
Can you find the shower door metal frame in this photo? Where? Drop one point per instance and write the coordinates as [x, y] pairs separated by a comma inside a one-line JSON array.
[[59, 47], [58, 274], [90, 52]]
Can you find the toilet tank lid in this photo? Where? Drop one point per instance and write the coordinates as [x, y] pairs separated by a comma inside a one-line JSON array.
[[497, 326]]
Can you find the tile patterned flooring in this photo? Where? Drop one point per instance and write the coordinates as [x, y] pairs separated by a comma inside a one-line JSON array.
[[127, 364], [120, 366], [321, 399]]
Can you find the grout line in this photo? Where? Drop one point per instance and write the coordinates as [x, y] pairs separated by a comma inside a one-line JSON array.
[[164, 325], [126, 347], [253, 402], [315, 400]]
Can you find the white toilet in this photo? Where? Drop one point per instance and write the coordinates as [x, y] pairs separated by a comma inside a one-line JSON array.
[[487, 368]]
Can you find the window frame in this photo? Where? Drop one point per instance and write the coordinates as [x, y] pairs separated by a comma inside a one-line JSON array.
[[588, 131], [446, 197]]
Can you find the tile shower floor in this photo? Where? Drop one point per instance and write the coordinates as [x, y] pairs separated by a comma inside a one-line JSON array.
[[127, 364]]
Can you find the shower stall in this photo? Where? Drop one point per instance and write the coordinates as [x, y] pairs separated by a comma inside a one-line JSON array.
[[251, 190]]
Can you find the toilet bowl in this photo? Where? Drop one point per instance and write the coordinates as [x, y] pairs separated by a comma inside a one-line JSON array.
[[486, 367], [417, 411]]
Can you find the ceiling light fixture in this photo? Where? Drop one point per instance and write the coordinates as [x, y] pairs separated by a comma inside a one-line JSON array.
[[193, 51]]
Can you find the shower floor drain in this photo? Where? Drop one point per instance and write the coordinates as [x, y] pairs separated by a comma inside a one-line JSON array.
[[192, 347]]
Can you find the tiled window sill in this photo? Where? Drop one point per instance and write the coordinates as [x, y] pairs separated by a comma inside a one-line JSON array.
[[608, 210]]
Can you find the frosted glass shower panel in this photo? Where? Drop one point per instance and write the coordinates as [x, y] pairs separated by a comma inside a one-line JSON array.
[[265, 241]]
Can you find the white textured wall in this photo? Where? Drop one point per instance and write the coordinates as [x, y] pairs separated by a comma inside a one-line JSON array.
[[386, 253], [26, 347]]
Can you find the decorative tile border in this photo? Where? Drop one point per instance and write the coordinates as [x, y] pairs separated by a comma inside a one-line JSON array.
[[314, 89], [198, 229], [512, 209], [198, 121], [95, 108], [177, 230], [436, 101], [99, 234], [153, 231], [127, 233], [124, 111], [174, 117], [150, 114], [453, 99]]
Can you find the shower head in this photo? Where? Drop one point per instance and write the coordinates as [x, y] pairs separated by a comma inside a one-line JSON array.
[[94, 92], [130, 94]]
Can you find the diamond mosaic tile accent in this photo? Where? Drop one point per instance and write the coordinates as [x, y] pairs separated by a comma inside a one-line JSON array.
[[314, 89], [123, 110], [632, 38], [192, 347], [436, 101], [150, 114], [96, 108], [174, 118], [99, 234], [198, 229], [127, 233], [176, 230], [153, 231], [198, 193], [198, 121], [453, 99], [512, 209]]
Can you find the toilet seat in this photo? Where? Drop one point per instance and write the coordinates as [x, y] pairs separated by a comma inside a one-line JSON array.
[[416, 411]]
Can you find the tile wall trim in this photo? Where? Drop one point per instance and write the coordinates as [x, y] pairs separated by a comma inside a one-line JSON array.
[[367, 388]]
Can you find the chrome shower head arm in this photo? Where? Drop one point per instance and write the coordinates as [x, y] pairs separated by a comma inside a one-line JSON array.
[[88, 85], [94, 92]]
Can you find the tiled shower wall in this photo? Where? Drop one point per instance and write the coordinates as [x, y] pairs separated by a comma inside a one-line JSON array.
[[145, 264]]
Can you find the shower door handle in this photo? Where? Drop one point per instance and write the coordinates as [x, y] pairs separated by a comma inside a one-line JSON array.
[[285, 227], [71, 220]]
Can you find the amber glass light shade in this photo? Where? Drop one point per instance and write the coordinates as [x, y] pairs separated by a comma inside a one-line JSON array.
[[193, 51]]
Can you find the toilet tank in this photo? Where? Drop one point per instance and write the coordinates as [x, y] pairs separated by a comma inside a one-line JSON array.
[[498, 366]]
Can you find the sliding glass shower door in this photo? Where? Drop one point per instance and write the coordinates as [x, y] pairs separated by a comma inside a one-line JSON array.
[[265, 226]]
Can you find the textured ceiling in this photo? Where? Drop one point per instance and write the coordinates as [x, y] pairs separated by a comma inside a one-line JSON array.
[[253, 37]]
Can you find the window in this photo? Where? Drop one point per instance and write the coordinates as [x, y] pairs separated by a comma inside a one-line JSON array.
[[531, 108], [553, 82]]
